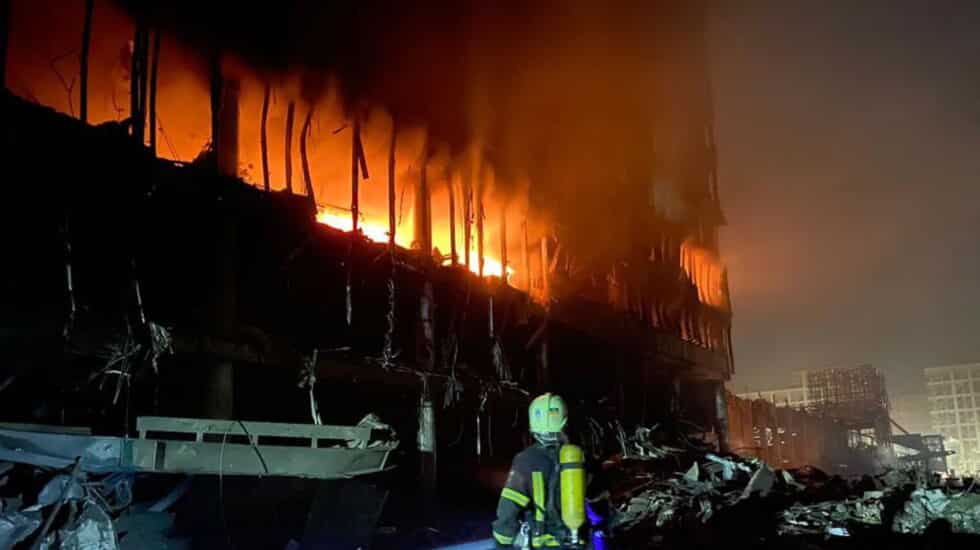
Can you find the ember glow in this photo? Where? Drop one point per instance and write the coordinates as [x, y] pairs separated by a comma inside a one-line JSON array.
[[373, 231], [377, 231]]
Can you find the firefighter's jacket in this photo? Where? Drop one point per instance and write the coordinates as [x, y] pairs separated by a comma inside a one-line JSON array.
[[531, 494]]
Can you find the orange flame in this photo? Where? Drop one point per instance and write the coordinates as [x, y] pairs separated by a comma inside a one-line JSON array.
[[183, 130], [378, 232], [707, 271]]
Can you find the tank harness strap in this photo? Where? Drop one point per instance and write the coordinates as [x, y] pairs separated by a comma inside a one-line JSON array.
[[537, 483]]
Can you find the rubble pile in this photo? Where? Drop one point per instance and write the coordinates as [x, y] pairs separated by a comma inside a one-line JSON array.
[[659, 491], [924, 506], [832, 517], [70, 511]]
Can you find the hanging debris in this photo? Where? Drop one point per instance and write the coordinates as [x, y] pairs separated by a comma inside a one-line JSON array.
[[161, 343], [500, 361], [307, 381], [69, 285], [388, 353], [381, 434]]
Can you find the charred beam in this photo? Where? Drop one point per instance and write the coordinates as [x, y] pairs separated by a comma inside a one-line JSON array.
[[227, 145], [290, 115], [545, 286], [154, 70], [224, 119], [423, 208], [144, 81], [138, 83], [264, 137], [216, 84], [361, 158], [355, 165], [467, 217], [303, 138], [391, 185], [354, 169], [388, 351], [525, 261], [134, 86], [453, 256], [544, 367], [480, 216], [503, 245], [83, 61]]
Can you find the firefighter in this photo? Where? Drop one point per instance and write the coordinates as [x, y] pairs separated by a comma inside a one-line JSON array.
[[529, 513]]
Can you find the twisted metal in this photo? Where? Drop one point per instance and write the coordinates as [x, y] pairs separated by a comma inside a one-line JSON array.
[[388, 354]]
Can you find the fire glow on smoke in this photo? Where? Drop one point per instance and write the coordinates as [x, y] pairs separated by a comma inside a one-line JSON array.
[[40, 69]]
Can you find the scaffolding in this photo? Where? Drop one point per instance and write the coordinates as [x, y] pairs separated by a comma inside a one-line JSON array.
[[855, 396]]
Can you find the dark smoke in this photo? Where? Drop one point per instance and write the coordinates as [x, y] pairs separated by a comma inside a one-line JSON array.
[[588, 100]]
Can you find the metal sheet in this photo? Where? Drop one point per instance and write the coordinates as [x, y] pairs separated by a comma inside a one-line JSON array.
[[99, 454], [188, 457], [17, 526], [250, 428], [111, 454]]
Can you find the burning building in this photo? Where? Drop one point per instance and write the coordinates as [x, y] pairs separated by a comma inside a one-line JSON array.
[[427, 213]]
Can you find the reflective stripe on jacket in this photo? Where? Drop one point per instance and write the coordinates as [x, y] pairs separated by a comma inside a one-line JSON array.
[[531, 493]]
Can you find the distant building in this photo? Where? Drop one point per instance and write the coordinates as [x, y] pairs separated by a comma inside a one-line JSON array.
[[909, 410], [856, 396], [794, 397], [954, 395]]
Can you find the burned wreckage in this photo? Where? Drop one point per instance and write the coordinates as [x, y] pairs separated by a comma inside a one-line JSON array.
[[194, 354], [172, 336]]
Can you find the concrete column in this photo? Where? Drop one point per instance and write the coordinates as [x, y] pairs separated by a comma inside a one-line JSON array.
[[221, 383]]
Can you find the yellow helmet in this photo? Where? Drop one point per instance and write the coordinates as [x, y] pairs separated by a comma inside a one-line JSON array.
[[547, 414]]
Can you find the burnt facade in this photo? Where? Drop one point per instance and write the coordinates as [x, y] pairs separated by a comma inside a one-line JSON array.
[[145, 285]]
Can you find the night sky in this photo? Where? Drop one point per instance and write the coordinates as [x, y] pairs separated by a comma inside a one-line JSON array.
[[848, 135]]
